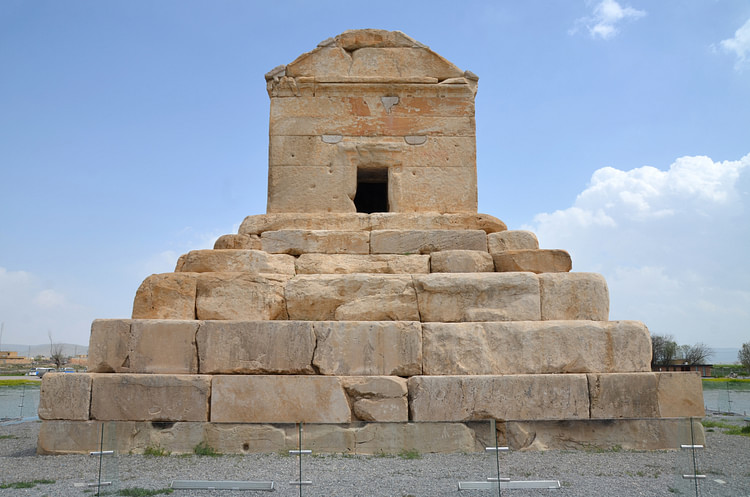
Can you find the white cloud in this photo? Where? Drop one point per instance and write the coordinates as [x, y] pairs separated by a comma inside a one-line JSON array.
[[739, 45], [671, 244], [605, 18]]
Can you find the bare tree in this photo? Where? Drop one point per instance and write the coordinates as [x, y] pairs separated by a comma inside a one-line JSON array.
[[56, 352], [744, 356], [664, 350], [697, 354]]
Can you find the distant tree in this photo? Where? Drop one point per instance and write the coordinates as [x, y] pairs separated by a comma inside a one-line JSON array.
[[56, 352], [744, 356], [696, 354], [664, 349]]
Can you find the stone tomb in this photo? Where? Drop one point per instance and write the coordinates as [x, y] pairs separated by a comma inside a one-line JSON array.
[[372, 301]]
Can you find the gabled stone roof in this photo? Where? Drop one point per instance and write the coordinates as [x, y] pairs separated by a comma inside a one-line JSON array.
[[363, 55]]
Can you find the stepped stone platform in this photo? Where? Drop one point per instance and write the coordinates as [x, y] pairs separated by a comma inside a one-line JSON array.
[[372, 302]]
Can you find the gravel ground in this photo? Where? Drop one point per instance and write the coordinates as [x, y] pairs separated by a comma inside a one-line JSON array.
[[725, 461]]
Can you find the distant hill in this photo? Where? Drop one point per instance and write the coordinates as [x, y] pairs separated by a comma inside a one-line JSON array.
[[69, 349]]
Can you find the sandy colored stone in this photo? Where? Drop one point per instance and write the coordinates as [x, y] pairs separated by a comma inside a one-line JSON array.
[[393, 438], [312, 189], [362, 104], [162, 346], [433, 189], [65, 396], [256, 224], [446, 297], [533, 260], [322, 438], [425, 241], [109, 345], [574, 296], [346, 348], [680, 395], [374, 386], [512, 240], [351, 297], [624, 395], [278, 399], [166, 296], [588, 434], [228, 438], [296, 242], [387, 126], [461, 261], [256, 347], [537, 347], [237, 242], [347, 264], [381, 410], [150, 397], [236, 261], [528, 397], [378, 398], [240, 296]]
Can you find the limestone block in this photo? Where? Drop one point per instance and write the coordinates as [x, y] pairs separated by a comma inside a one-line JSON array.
[[629, 434], [166, 296], [530, 397], [537, 347], [109, 345], [533, 260], [378, 398], [355, 39], [351, 297], [311, 189], [454, 297], [65, 396], [256, 347], [322, 438], [426, 241], [574, 296], [240, 296], [362, 105], [241, 242], [73, 437], [150, 397], [461, 261], [162, 346], [236, 261], [327, 61], [432, 189], [296, 242], [390, 125], [176, 437], [680, 395], [392, 438], [278, 399], [254, 225], [396, 62], [347, 264], [346, 348], [624, 395], [229, 438], [512, 240]]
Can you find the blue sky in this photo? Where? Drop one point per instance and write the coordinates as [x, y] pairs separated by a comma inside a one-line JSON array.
[[134, 131]]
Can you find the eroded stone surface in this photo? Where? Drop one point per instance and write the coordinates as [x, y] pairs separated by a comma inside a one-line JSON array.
[[347, 264], [426, 241], [534, 347], [240, 296], [296, 242], [378, 398], [353, 297], [238, 242], [109, 345], [461, 261], [624, 395], [574, 296], [478, 297], [166, 296], [235, 261], [278, 399], [347, 348], [256, 347], [680, 395], [65, 396], [511, 240], [533, 260]]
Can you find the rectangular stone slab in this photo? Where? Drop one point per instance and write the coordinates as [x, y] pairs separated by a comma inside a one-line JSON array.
[[166, 296], [235, 261], [426, 241], [373, 126], [65, 396], [346, 348], [240, 296], [351, 297], [470, 398], [574, 296], [150, 397], [534, 260], [451, 297], [296, 242], [256, 347], [311, 189], [109, 345], [370, 263], [535, 347], [433, 189], [511, 240], [278, 399]]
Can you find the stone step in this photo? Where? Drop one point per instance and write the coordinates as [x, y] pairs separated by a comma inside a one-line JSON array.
[[534, 260], [348, 264], [436, 297], [364, 348], [342, 399]]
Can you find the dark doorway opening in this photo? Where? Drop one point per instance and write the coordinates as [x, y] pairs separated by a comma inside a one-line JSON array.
[[372, 190]]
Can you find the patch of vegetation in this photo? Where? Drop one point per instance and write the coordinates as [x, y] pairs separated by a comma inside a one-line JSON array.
[[203, 449], [27, 484], [715, 424], [726, 384], [18, 383], [143, 492], [7, 437], [410, 454], [155, 451], [727, 428]]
